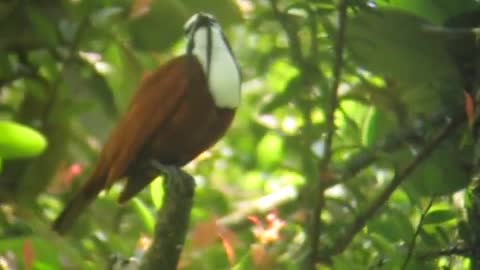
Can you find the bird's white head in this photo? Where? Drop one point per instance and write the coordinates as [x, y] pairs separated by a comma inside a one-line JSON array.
[[206, 41]]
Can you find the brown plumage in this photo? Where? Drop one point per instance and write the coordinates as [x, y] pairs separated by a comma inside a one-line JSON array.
[[171, 119]]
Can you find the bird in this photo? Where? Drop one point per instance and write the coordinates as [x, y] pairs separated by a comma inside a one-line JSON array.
[[178, 111]]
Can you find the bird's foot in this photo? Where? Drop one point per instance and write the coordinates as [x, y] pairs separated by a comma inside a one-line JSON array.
[[175, 178]]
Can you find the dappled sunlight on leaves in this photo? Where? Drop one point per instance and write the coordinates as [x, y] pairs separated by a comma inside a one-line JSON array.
[[348, 127]]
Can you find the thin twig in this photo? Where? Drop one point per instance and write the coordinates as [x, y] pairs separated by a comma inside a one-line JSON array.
[[399, 178], [299, 59], [413, 242], [337, 77], [319, 199]]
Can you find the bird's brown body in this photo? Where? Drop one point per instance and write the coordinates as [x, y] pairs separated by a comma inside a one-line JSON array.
[[171, 119]]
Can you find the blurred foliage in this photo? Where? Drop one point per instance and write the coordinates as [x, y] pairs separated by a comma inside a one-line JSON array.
[[390, 178]]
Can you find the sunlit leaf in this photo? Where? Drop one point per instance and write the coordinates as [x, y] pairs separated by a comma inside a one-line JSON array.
[[377, 126], [281, 74], [439, 216], [19, 141], [270, 150], [145, 215], [157, 191]]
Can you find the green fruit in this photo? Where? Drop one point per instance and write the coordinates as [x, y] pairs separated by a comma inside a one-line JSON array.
[[19, 141]]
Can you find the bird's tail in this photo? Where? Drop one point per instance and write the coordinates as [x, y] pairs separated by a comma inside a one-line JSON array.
[[76, 206]]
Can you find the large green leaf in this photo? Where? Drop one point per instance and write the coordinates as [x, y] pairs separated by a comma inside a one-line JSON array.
[[379, 123], [400, 46], [395, 43], [19, 141], [439, 216], [444, 172]]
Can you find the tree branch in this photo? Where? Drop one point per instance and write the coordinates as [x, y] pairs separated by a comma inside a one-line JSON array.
[[337, 76], [363, 218], [389, 143], [172, 220], [320, 186]]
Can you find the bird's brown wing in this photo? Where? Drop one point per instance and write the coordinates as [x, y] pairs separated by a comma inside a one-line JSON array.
[[154, 102]]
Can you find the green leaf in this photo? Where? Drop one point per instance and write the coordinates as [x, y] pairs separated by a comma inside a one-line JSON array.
[[88, 85], [146, 216], [282, 74], [212, 201], [398, 45], [125, 75], [378, 125], [244, 263], [430, 238], [157, 191], [270, 150], [381, 243], [439, 216], [440, 174], [286, 91], [392, 225], [19, 141]]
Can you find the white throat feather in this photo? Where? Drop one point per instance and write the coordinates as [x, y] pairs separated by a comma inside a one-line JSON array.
[[209, 45]]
